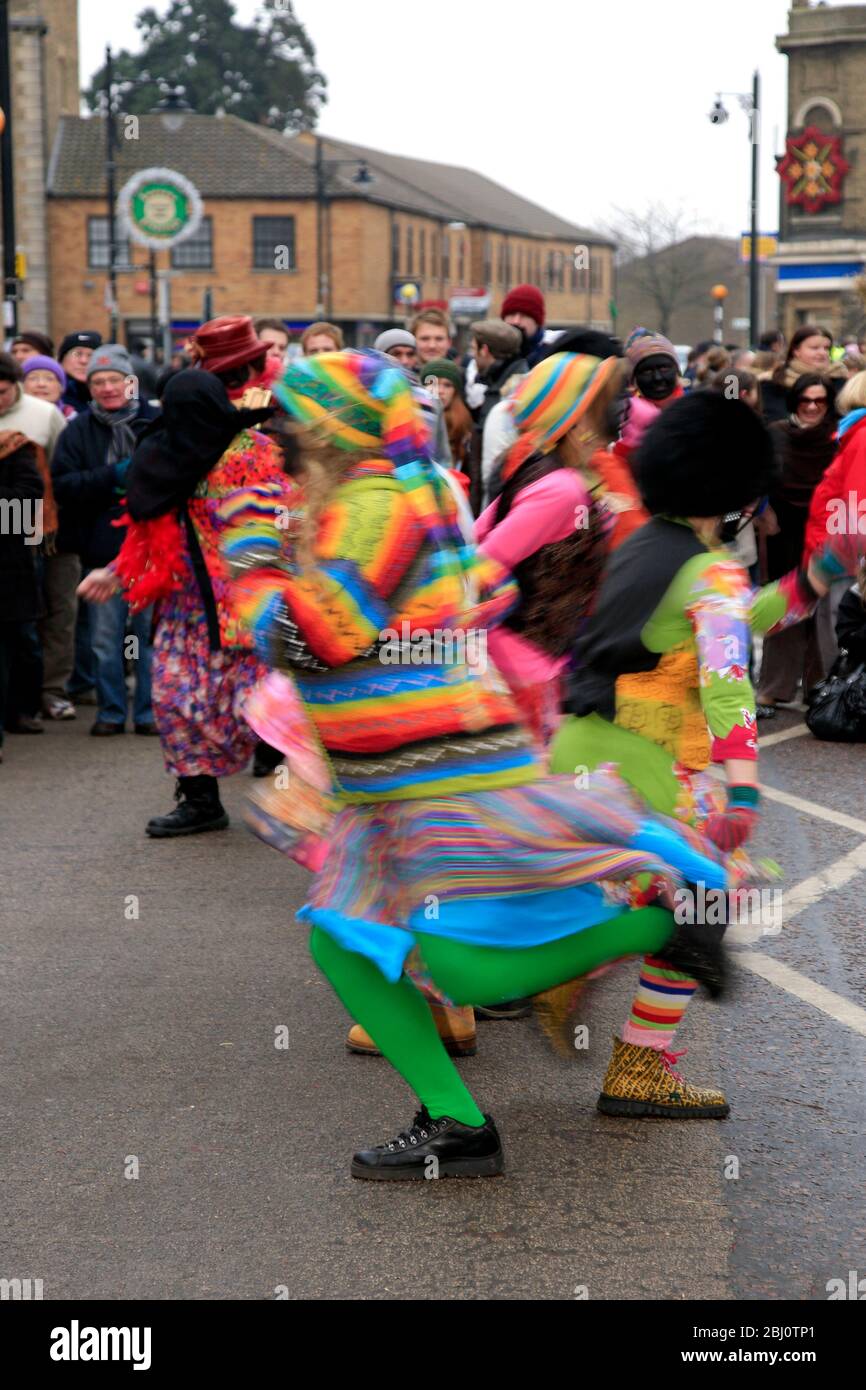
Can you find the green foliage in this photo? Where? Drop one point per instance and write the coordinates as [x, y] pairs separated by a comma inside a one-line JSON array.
[[265, 73]]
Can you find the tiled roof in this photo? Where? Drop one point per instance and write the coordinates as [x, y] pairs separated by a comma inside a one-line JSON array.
[[229, 158], [222, 155], [447, 190]]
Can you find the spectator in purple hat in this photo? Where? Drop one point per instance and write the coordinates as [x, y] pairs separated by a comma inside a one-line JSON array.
[[45, 379]]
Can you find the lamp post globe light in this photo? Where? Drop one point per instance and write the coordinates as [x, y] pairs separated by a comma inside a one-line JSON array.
[[750, 102]]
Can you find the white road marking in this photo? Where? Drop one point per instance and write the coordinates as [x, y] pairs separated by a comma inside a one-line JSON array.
[[806, 894], [767, 740], [811, 808], [842, 1010]]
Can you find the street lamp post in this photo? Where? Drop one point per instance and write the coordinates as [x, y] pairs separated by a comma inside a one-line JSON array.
[[172, 111], [751, 104]]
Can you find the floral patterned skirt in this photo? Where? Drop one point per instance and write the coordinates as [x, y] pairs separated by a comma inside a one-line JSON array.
[[198, 699]]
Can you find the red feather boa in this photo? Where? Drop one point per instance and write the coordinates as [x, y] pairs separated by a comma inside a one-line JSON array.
[[150, 564]]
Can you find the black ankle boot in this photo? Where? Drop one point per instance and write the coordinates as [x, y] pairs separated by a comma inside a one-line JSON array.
[[198, 809], [698, 950], [441, 1148]]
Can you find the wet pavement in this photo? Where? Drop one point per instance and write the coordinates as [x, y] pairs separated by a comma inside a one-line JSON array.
[[156, 1142]]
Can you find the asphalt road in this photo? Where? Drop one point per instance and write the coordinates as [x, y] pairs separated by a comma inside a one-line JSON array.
[[148, 1045]]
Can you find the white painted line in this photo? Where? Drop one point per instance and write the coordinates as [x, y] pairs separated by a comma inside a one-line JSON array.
[[767, 740], [797, 899], [792, 982], [834, 876], [811, 808]]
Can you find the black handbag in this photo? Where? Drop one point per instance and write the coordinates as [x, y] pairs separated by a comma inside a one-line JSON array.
[[837, 705]]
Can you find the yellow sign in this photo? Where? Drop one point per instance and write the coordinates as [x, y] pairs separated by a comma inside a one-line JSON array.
[[768, 245], [20, 266]]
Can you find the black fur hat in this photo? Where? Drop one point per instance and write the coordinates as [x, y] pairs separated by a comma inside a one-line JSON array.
[[705, 456]]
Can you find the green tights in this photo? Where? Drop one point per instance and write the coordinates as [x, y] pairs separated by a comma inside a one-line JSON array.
[[397, 1017]]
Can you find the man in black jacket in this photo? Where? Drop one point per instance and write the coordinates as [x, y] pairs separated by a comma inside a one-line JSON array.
[[89, 474], [20, 533]]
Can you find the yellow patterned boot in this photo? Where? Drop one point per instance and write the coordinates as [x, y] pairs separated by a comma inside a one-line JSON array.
[[642, 1081], [456, 1029]]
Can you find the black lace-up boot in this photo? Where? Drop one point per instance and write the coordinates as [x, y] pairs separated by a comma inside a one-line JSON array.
[[441, 1148], [198, 809]]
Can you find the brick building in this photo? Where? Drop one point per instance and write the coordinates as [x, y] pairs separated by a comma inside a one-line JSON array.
[[822, 248], [281, 238]]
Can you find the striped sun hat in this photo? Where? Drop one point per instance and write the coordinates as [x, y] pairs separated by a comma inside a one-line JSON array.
[[555, 394]]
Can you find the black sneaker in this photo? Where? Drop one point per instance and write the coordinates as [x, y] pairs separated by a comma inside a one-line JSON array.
[[509, 1009], [188, 818], [441, 1148]]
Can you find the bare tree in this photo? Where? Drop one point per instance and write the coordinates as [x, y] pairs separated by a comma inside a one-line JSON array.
[[648, 242]]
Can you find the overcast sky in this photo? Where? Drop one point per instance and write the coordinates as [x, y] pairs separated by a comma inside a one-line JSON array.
[[579, 107]]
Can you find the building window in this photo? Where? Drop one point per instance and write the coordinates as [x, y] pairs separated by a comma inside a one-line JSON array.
[[501, 263], [520, 265], [395, 249], [97, 244], [422, 252], [434, 252], [596, 278], [549, 272], [274, 243], [410, 250], [461, 261], [196, 252], [446, 256], [488, 260]]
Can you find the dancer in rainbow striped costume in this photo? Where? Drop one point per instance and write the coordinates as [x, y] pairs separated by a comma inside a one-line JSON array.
[[451, 852]]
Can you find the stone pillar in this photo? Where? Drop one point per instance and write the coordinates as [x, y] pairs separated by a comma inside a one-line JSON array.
[[28, 107]]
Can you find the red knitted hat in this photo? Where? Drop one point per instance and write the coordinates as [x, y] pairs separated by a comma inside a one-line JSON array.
[[525, 299]]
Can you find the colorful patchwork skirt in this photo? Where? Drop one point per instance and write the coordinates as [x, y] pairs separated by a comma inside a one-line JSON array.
[[509, 868], [199, 696]]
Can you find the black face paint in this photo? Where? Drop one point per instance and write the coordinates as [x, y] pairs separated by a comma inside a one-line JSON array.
[[656, 377]]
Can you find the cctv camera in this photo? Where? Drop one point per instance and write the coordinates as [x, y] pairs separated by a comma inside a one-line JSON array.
[[718, 115]]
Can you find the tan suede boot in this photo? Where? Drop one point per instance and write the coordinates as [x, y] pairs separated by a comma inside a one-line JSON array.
[[642, 1081], [456, 1029]]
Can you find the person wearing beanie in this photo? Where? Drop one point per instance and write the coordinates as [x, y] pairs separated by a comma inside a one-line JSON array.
[[74, 356], [422, 785], [89, 476], [401, 345], [655, 376], [549, 525], [445, 377], [45, 379], [31, 344], [524, 308], [198, 451], [660, 686], [620, 489]]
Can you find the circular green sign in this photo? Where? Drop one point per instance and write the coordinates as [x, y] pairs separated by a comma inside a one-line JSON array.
[[159, 207]]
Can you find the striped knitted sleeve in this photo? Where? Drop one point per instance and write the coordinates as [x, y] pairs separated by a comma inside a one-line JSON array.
[[332, 611]]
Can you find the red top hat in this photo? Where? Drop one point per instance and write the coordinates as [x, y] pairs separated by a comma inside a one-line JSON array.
[[227, 342]]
